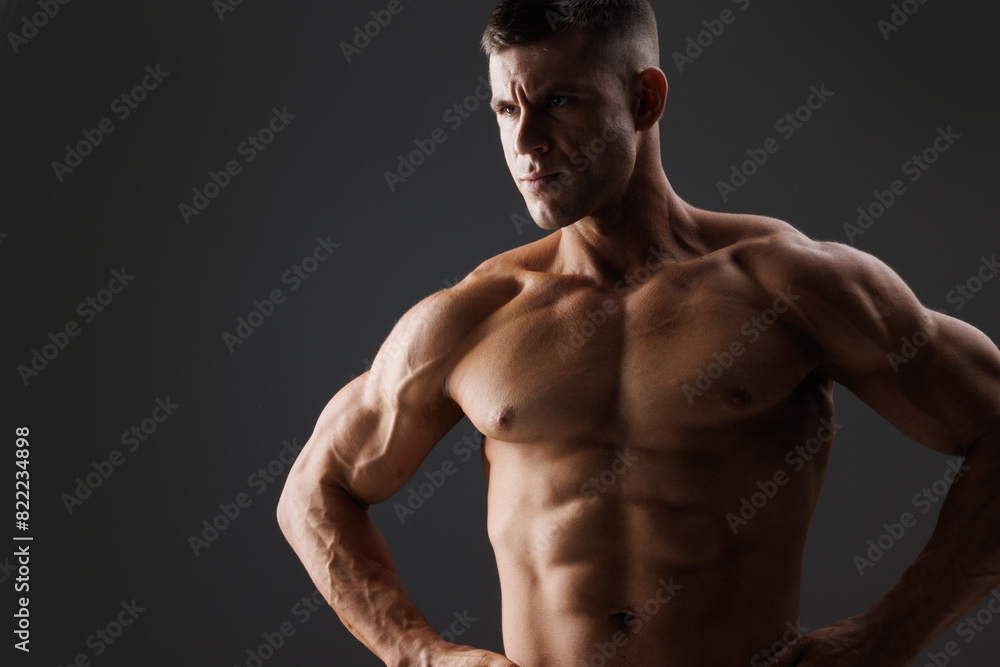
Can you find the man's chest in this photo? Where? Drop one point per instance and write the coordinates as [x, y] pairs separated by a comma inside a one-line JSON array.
[[680, 352]]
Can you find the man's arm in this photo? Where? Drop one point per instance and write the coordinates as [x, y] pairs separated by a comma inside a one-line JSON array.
[[370, 439], [935, 378]]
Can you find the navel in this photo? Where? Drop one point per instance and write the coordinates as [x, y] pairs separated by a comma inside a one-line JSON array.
[[623, 618]]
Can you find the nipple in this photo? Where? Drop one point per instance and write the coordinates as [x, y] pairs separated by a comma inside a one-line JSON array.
[[737, 397], [503, 417]]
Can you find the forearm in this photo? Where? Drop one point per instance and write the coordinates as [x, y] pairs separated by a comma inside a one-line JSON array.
[[960, 564], [349, 561]]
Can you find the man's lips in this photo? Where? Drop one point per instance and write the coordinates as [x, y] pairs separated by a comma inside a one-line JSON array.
[[538, 182]]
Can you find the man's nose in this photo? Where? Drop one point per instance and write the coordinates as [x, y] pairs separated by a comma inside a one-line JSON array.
[[531, 135]]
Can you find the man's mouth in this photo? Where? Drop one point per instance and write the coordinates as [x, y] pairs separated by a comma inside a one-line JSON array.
[[539, 182]]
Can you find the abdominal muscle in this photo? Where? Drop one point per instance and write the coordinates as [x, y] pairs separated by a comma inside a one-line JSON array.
[[622, 556]]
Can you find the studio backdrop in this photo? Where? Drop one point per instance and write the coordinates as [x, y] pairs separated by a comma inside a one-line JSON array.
[[214, 211]]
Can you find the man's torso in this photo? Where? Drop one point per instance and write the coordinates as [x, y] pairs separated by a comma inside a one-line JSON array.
[[654, 449]]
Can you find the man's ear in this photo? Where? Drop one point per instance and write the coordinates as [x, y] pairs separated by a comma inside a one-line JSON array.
[[650, 97]]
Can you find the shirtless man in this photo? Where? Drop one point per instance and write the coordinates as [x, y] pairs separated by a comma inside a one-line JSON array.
[[635, 373]]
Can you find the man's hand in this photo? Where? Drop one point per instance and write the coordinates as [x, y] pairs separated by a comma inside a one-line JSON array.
[[847, 643], [466, 656]]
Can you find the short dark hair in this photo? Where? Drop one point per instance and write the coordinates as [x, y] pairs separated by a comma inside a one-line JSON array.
[[522, 22]]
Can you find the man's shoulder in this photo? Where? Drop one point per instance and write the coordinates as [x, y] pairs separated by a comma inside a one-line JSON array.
[[429, 339], [782, 254], [838, 290], [442, 319]]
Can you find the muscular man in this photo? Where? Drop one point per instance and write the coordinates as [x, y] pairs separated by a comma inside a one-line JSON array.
[[635, 373]]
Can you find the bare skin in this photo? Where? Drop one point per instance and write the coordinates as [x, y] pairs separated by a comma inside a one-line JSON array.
[[620, 437]]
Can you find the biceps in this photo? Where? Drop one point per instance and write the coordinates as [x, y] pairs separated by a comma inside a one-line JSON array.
[[371, 447], [939, 384]]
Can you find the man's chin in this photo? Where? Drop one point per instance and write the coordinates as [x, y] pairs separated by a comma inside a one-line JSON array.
[[550, 220]]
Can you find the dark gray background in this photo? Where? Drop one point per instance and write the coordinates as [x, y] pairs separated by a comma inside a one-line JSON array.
[[324, 176]]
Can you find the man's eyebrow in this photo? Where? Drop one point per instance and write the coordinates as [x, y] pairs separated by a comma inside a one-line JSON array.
[[498, 103], [553, 90]]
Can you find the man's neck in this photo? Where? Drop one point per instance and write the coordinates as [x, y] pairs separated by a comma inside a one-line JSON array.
[[650, 225]]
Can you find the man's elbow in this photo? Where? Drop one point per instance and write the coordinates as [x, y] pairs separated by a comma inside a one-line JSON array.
[[287, 513], [302, 493]]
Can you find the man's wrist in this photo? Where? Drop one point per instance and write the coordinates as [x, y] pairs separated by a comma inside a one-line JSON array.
[[895, 643], [419, 649]]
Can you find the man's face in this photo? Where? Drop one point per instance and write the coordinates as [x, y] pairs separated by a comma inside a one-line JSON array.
[[566, 126]]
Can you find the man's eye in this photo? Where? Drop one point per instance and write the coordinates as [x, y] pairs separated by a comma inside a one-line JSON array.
[[507, 110], [558, 101]]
